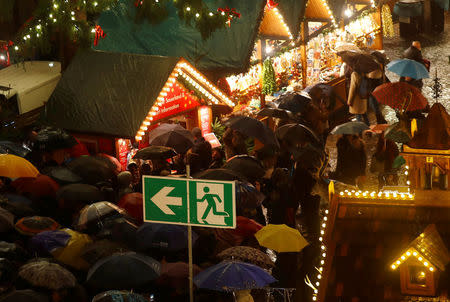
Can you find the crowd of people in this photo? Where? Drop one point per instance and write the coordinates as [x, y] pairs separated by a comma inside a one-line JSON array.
[[277, 184]]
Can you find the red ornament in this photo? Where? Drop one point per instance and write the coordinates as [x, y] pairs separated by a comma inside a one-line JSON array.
[[138, 3], [271, 4], [231, 13], [222, 83], [99, 33], [5, 47]]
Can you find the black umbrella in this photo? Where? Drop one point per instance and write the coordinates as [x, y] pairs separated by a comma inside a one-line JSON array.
[[219, 174], [253, 128], [121, 230], [64, 176], [12, 251], [92, 215], [294, 102], [7, 147], [275, 112], [248, 166], [8, 270], [49, 139], [92, 170], [17, 208], [79, 193], [172, 135], [155, 152], [379, 57], [325, 89], [123, 271], [295, 134], [359, 62], [25, 295]]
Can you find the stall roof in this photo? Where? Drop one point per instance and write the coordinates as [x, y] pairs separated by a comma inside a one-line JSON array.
[[435, 132], [27, 77], [113, 93], [228, 50], [317, 10]]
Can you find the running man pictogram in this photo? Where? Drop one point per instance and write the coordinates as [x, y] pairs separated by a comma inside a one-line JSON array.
[[211, 204]]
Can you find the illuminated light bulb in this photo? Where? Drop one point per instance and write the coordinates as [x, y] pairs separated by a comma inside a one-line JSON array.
[[37, 35], [93, 30], [188, 9], [73, 18], [138, 138], [431, 269], [398, 262], [55, 5], [25, 38], [314, 298], [326, 211], [269, 49], [402, 195], [51, 15], [16, 47], [345, 191], [407, 167], [410, 196], [320, 238], [322, 262], [322, 232], [317, 283], [357, 193], [223, 13], [372, 194], [408, 182], [406, 172], [415, 254], [324, 225], [323, 247], [349, 193], [348, 12], [316, 291], [2, 57], [72, 13], [141, 133], [324, 254], [402, 257], [38, 26], [28, 36], [319, 276], [420, 258], [425, 263], [95, 3], [386, 194], [197, 15], [211, 14], [393, 266], [146, 123], [54, 20], [408, 253], [325, 218], [341, 193], [150, 118], [395, 195], [144, 128]]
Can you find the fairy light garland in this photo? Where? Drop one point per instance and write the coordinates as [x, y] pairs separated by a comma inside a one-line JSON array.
[[184, 70], [323, 255], [414, 253], [333, 20], [280, 17]]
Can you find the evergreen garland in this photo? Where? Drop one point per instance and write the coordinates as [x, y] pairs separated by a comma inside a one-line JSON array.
[[269, 85], [57, 23]]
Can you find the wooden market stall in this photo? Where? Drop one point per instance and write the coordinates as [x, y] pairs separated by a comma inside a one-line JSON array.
[[103, 97], [428, 156], [391, 228]]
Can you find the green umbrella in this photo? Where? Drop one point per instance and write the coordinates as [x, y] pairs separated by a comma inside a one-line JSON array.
[[398, 162], [397, 133]]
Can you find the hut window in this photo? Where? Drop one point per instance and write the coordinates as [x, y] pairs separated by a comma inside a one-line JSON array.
[[417, 275]]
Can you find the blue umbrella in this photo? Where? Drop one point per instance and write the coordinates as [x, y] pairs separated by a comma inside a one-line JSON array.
[[46, 242], [408, 68], [123, 271], [350, 128], [233, 275], [168, 237]]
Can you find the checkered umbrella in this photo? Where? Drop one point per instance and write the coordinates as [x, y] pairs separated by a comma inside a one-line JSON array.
[[401, 96]]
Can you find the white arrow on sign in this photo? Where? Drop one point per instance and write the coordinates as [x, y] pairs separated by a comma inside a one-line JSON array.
[[161, 200]]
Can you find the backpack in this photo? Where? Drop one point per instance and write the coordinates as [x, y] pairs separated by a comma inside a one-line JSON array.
[[364, 89]]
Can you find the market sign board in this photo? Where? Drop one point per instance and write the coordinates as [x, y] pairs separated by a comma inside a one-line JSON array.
[[195, 202], [176, 100]]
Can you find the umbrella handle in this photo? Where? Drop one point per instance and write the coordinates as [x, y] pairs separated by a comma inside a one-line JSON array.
[[407, 102]]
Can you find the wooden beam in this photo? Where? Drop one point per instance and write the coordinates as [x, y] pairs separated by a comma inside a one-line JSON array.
[[303, 39]]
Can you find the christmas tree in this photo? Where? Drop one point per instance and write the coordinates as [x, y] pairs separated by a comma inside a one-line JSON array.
[[269, 84]]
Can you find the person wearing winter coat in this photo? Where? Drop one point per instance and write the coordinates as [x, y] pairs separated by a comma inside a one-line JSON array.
[[359, 93], [351, 159]]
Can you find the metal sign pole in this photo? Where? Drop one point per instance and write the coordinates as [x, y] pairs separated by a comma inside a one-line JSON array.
[[191, 272]]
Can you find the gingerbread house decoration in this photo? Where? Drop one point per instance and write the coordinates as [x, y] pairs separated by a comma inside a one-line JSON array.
[[421, 263]]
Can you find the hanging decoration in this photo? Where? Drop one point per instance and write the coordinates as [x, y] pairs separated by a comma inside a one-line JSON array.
[[99, 33], [4, 54], [388, 25], [231, 13], [437, 87], [271, 4], [269, 84]]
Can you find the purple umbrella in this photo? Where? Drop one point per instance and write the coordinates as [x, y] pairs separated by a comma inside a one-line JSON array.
[[46, 242]]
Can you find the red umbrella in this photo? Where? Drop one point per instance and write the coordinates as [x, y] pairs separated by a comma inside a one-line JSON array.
[[41, 186], [78, 150], [132, 203], [176, 274], [115, 162], [400, 95], [245, 228]]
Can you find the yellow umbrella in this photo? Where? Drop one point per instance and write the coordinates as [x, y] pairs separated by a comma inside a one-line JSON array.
[[14, 167], [281, 238], [71, 253]]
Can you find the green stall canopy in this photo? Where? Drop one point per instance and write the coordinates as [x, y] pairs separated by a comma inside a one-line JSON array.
[[107, 93], [411, 9], [292, 12], [228, 50]]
